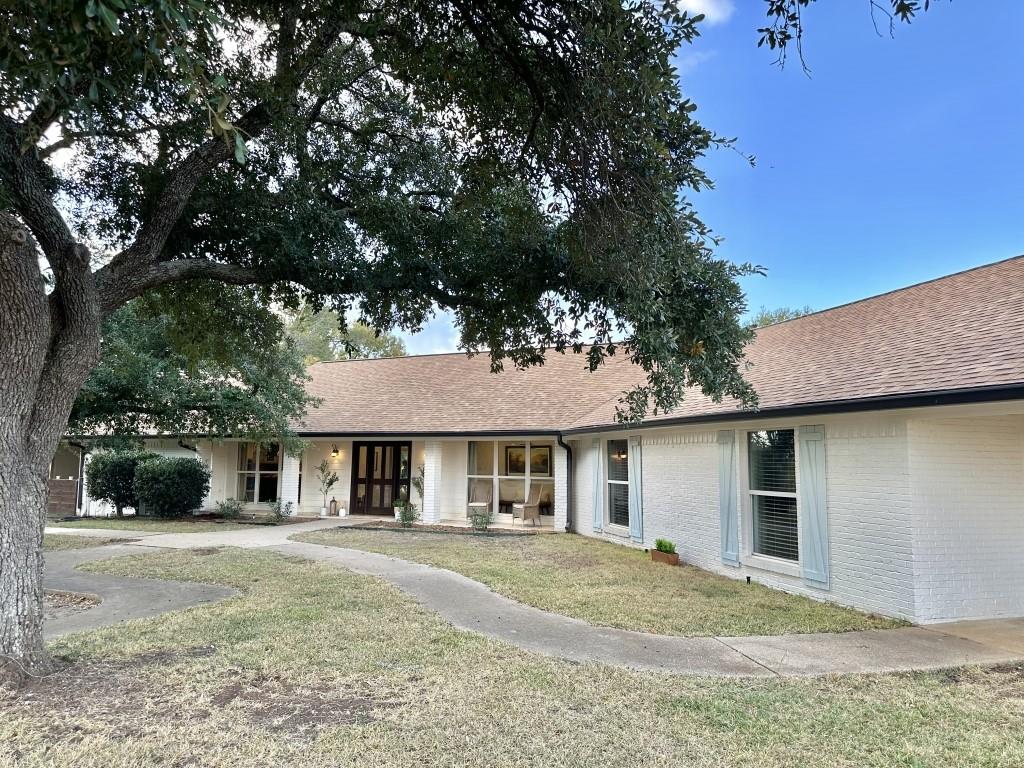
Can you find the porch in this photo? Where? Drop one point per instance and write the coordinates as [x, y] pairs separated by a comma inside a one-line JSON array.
[[439, 476]]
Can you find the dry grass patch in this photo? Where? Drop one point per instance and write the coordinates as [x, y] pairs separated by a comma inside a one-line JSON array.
[[318, 667], [56, 542], [610, 585], [314, 666], [150, 524]]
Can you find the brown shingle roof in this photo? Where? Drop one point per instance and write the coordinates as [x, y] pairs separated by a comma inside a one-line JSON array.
[[961, 332], [455, 393]]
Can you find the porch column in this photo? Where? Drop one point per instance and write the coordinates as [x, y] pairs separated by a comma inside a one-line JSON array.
[[561, 500], [204, 449], [290, 482], [431, 512], [83, 509]]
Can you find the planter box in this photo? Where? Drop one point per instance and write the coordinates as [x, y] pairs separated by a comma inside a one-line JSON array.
[[665, 557]]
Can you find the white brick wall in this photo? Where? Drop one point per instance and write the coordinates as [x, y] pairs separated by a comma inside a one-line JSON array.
[[289, 491], [868, 501], [454, 485], [432, 464], [968, 502], [312, 500], [560, 499]]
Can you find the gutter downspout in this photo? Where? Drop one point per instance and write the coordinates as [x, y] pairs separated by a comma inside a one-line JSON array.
[[568, 483]]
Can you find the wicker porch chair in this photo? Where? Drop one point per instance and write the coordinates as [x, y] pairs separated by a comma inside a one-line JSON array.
[[529, 509]]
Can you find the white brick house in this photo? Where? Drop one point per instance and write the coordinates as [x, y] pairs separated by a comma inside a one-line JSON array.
[[884, 468]]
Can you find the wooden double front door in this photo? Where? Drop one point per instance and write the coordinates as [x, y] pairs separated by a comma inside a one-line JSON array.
[[380, 477]]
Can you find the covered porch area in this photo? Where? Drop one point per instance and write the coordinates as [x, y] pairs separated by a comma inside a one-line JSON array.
[[441, 476]]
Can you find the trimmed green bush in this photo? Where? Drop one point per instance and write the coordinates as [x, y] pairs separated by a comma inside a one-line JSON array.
[[229, 509], [281, 510], [171, 486], [111, 477], [407, 513], [664, 545]]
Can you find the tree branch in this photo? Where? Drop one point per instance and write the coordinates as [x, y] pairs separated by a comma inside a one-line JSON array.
[[117, 286]]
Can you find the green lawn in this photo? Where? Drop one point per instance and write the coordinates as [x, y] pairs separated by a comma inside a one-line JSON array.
[[318, 667], [148, 524], [609, 585], [55, 541]]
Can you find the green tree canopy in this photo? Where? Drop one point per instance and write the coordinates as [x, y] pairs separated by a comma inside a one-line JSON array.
[[222, 367], [765, 316], [522, 164], [322, 336]]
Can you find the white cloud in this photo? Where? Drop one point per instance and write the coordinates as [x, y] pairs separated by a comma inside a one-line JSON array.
[[715, 11], [691, 60]]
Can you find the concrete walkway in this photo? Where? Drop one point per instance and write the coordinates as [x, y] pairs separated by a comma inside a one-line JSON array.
[[470, 605], [121, 599]]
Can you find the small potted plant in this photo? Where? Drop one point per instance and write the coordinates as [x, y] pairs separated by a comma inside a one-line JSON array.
[[328, 479], [664, 552]]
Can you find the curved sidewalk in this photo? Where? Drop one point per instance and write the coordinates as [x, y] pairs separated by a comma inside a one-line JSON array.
[[121, 599], [470, 605]]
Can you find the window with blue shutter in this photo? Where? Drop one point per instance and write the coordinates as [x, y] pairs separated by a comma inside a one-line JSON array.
[[598, 493], [728, 511], [813, 507], [636, 503]]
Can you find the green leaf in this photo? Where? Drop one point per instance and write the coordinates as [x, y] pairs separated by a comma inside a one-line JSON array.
[[108, 17], [241, 151]]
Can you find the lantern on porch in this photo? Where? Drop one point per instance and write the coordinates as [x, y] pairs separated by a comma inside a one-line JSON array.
[[334, 507]]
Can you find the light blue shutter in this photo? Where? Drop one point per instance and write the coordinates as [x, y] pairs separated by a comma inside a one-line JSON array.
[[729, 516], [813, 507], [598, 500], [636, 489]]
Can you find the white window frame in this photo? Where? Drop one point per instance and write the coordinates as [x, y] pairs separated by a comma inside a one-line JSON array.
[[750, 558], [257, 472], [496, 463], [615, 528]]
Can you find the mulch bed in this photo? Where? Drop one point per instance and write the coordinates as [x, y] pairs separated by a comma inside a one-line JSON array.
[[57, 605]]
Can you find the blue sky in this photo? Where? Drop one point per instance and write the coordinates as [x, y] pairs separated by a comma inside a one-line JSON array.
[[896, 161]]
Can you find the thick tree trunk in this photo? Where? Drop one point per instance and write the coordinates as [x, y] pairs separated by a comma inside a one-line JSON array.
[[23, 499], [48, 345]]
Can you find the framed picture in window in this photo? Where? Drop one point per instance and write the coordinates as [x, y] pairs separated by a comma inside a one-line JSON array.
[[540, 460], [515, 459]]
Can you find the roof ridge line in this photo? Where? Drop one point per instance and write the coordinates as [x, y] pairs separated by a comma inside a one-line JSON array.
[[918, 284]]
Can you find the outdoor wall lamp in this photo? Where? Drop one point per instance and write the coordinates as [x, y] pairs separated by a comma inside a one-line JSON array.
[[334, 451]]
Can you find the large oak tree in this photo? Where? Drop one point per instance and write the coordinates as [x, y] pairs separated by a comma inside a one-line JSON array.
[[521, 164]]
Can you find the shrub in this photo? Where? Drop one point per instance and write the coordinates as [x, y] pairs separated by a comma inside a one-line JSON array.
[[171, 486], [111, 477], [280, 511], [229, 509], [480, 519], [664, 545], [407, 513]]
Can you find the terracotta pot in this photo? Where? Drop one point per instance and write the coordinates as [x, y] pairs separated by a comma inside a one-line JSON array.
[[665, 557]]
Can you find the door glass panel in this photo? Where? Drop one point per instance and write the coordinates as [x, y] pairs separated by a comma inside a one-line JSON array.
[[377, 460], [403, 463], [387, 495], [361, 472], [361, 496], [389, 462], [375, 495]]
